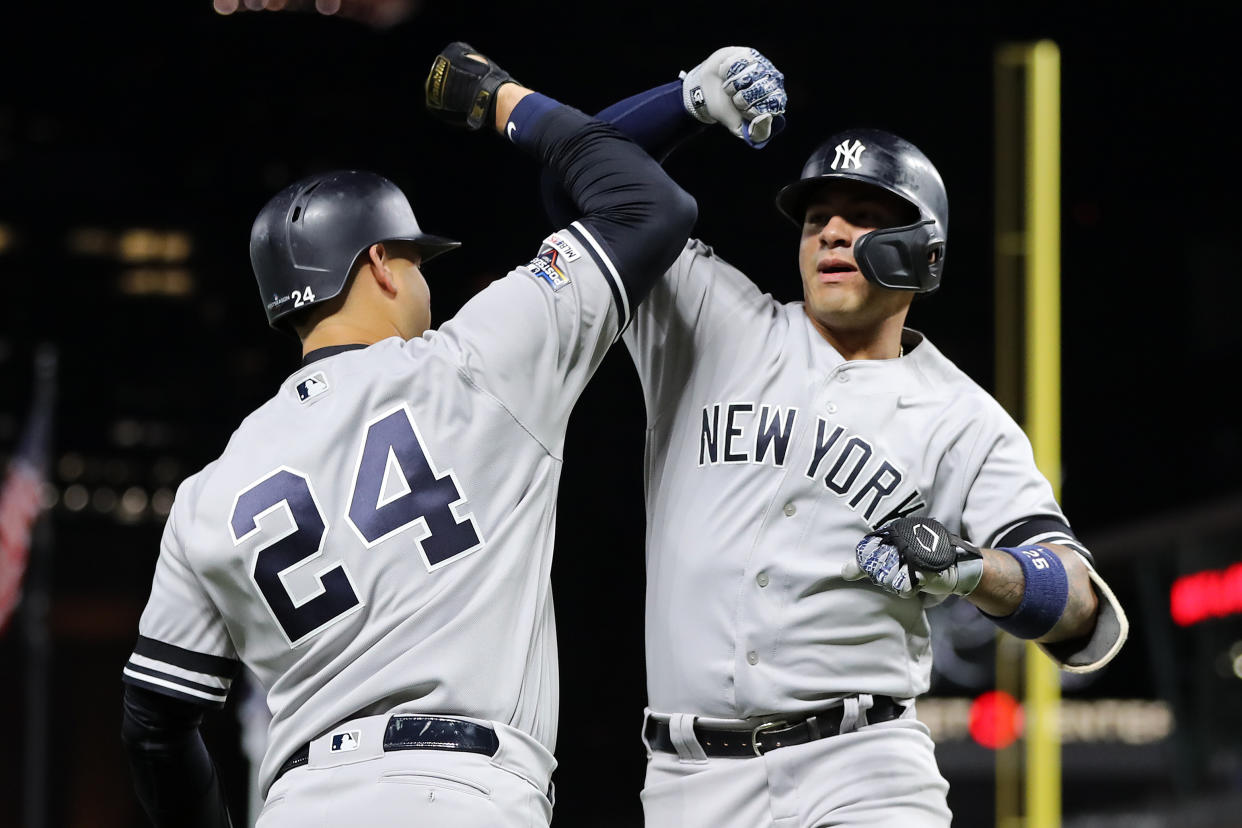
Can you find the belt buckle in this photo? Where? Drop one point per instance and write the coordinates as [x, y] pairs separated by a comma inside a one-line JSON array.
[[760, 728]]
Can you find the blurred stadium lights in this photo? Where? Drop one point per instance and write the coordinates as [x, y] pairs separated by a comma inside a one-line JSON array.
[[157, 281], [996, 719], [131, 246], [156, 251], [1083, 721], [134, 505], [117, 486], [1235, 659], [76, 497], [140, 245], [378, 13], [1203, 595]]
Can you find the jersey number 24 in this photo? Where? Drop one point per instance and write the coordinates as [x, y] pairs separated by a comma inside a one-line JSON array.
[[422, 500]]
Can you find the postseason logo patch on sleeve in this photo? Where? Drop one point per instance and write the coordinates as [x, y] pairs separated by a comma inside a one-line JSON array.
[[547, 266]]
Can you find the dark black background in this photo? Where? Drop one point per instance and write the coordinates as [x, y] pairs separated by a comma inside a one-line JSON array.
[[170, 116]]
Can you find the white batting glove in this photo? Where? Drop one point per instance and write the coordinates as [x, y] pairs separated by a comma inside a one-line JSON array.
[[737, 87], [916, 554]]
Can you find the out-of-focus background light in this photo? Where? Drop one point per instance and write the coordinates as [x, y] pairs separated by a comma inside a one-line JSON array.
[[378, 13]]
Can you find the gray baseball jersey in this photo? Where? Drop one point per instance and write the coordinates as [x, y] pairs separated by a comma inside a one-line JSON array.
[[768, 457], [379, 534]]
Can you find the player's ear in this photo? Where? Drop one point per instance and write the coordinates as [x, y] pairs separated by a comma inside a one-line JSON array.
[[383, 274]]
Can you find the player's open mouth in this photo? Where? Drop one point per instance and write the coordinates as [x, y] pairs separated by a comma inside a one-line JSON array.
[[834, 271]]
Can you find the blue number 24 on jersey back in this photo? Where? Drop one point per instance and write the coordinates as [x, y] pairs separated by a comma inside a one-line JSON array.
[[395, 489]]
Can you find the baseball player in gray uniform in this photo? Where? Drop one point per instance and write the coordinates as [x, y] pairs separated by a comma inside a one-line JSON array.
[[374, 543], [817, 474]]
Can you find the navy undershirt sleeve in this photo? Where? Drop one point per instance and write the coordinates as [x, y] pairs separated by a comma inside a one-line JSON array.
[[629, 204], [656, 119]]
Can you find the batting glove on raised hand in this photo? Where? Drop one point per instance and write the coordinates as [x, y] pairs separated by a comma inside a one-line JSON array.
[[461, 87], [740, 88], [916, 554]]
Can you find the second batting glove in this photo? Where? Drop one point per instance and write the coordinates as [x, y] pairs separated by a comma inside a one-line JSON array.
[[916, 554], [739, 88]]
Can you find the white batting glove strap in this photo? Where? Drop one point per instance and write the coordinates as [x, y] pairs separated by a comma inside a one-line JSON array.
[[737, 87], [959, 579]]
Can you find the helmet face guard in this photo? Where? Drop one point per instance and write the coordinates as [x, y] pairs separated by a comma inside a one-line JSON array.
[[902, 258], [910, 257]]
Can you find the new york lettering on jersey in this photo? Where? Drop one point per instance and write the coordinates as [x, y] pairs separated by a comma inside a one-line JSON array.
[[846, 463]]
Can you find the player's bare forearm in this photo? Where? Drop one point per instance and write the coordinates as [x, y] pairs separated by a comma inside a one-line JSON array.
[[507, 97], [1001, 589]]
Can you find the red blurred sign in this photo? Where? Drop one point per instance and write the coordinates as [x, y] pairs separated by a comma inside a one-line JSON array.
[[996, 719], [1204, 595]]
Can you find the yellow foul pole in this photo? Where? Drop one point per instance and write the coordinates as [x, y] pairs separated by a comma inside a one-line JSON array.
[[1028, 380], [1043, 400]]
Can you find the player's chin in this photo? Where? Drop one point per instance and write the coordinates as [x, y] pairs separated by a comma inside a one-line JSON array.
[[835, 297]]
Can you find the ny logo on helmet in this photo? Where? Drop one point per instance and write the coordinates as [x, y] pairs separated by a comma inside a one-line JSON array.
[[847, 154]]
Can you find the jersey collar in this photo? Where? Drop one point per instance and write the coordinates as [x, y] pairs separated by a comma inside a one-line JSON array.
[[331, 350]]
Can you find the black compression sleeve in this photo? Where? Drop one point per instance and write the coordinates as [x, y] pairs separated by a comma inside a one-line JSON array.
[[655, 119], [174, 776], [636, 212]]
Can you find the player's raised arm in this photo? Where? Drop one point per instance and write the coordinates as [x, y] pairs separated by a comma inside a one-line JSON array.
[[736, 87], [631, 208]]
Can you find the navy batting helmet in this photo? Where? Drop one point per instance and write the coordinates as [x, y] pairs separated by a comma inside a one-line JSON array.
[[910, 257], [305, 240]]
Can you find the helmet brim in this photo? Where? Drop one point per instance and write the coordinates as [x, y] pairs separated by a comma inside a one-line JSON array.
[[793, 198], [428, 245]]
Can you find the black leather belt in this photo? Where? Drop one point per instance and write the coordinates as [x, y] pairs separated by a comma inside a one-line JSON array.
[[419, 733], [756, 741]]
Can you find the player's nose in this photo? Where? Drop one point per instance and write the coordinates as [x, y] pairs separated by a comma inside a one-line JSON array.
[[837, 232]]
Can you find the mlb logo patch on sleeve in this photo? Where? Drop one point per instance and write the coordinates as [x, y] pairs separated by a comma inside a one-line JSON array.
[[312, 387], [562, 246]]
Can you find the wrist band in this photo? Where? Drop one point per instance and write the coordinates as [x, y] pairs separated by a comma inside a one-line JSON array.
[[1044, 597]]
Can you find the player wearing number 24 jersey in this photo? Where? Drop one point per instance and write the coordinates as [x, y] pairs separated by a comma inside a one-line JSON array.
[[374, 543]]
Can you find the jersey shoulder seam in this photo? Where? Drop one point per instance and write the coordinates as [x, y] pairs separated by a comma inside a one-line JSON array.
[[765, 300], [465, 375]]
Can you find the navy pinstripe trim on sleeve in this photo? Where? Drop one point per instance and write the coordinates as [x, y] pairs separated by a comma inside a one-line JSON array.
[[604, 263], [225, 668], [1039, 529]]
